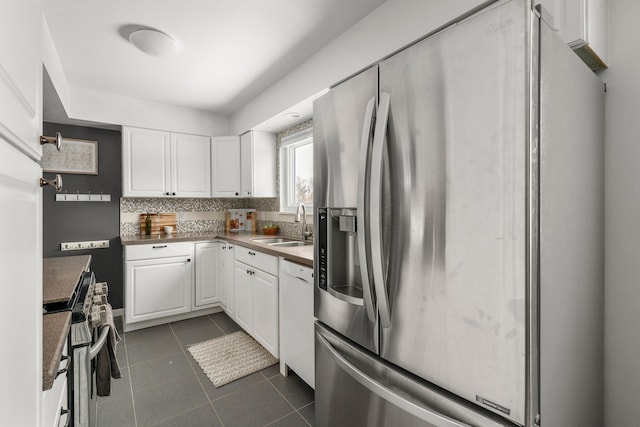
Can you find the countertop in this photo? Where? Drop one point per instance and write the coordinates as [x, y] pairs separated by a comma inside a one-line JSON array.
[[55, 327], [300, 254], [60, 276]]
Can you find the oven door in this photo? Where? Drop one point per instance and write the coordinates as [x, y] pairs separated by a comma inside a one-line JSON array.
[[83, 391]]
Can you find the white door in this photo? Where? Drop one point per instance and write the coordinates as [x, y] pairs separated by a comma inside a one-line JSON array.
[[244, 296], [208, 274], [157, 288], [246, 164], [146, 163], [21, 211], [225, 166], [190, 165], [265, 310]]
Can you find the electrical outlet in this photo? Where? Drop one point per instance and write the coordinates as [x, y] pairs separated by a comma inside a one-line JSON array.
[[79, 246], [181, 216]]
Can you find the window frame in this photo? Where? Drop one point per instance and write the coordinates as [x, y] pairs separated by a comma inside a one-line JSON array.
[[288, 145]]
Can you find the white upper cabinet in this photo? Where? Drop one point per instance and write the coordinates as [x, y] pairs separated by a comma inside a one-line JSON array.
[[582, 24], [225, 164], [163, 164], [191, 165], [258, 164], [146, 163]]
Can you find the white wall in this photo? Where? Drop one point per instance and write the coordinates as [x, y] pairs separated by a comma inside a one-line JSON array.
[[106, 108], [622, 217], [388, 28]]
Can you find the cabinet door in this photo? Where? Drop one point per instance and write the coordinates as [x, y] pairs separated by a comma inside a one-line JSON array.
[[225, 166], [21, 276], [157, 288], [244, 296], [208, 274], [583, 25], [265, 310], [228, 260], [190, 165], [258, 164], [246, 164], [146, 163]]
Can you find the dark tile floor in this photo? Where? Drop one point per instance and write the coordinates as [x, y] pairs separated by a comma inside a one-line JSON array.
[[162, 385]]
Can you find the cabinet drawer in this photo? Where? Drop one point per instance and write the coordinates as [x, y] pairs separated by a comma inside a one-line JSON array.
[[158, 250], [55, 399], [259, 260]]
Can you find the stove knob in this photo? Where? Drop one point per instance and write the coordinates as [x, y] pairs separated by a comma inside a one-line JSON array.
[[101, 288], [98, 315], [99, 299]]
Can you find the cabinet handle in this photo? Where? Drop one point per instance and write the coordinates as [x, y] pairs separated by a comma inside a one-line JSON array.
[[166, 194], [188, 259], [173, 194], [237, 194], [230, 247], [248, 272], [252, 253], [64, 412], [159, 246], [65, 369]]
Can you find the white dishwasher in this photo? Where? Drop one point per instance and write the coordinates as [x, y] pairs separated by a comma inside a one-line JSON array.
[[296, 321]]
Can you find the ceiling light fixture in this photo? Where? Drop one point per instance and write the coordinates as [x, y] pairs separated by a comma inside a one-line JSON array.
[[154, 42]]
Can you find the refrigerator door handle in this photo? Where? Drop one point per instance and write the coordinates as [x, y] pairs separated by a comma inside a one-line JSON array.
[[375, 200], [362, 208], [380, 390]]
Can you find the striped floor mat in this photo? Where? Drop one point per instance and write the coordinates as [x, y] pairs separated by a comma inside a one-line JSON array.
[[230, 357]]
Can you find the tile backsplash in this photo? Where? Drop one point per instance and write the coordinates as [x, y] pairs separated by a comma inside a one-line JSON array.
[[196, 215]]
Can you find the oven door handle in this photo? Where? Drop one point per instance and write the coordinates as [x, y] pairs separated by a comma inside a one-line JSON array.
[[94, 349]]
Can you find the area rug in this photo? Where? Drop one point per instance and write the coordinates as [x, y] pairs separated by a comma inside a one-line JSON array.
[[230, 357]]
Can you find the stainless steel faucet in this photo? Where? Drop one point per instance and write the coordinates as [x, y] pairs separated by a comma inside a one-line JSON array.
[[305, 233]]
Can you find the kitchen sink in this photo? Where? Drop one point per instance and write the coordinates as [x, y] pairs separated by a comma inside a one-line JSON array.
[[271, 240], [290, 243], [281, 242]]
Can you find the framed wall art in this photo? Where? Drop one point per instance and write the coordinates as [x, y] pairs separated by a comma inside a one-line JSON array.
[[76, 156]]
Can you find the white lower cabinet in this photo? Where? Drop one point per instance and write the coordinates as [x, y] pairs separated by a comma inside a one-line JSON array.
[[227, 279], [208, 274], [55, 405], [159, 281], [257, 298], [244, 296], [265, 311]]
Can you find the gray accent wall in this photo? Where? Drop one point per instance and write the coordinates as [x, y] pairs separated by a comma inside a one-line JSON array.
[[82, 221]]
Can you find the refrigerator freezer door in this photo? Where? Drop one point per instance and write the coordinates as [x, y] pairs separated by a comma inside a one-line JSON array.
[[342, 298], [354, 388], [457, 138]]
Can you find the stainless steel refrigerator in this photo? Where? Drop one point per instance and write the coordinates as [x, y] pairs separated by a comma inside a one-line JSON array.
[[458, 201]]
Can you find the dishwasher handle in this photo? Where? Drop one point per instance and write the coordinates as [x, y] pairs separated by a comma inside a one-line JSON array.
[[297, 271]]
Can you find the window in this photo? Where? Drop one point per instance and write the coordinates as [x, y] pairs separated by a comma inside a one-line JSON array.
[[296, 171]]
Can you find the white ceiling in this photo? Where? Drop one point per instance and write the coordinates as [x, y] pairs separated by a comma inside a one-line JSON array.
[[232, 50]]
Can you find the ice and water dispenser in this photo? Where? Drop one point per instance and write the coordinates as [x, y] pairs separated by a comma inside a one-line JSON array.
[[339, 266]]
